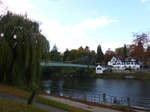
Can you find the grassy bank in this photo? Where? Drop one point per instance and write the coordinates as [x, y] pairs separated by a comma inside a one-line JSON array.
[[5, 104], [8, 105], [13, 106]]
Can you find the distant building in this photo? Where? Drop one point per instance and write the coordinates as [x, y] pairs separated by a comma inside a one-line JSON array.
[[122, 63], [99, 69]]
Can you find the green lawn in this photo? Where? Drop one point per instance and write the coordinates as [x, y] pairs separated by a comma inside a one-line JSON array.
[[13, 106]]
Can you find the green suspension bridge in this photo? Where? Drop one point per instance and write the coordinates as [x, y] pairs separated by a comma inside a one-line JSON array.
[[82, 62]]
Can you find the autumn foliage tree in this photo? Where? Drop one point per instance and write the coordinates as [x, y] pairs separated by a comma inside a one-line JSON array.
[[80, 53], [141, 37], [81, 49], [147, 56], [139, 48], [108, 55], [132, 50], [137, 51]]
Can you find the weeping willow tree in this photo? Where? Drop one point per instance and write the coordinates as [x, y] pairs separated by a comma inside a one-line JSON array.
[[21, 48]]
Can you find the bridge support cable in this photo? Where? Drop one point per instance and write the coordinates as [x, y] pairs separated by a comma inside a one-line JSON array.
[[82, 62]]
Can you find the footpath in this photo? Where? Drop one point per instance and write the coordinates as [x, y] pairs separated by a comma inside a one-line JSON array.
[[62, 100], [79, 105]]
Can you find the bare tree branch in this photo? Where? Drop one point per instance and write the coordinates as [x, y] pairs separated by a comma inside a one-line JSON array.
[[3, 7]]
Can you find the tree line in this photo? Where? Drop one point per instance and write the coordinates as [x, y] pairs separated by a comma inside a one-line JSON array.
[[73, 54], [139, 49], [23, 47]]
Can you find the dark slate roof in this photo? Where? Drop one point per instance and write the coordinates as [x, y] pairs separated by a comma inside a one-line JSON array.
[[123, 59]]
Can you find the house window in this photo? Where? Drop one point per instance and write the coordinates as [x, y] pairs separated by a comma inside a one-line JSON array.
[[98, 68]]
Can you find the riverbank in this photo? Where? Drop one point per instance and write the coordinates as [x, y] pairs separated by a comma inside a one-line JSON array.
[[108, 75], [15, 94], [13, 91], [50, 72], [19, 94]]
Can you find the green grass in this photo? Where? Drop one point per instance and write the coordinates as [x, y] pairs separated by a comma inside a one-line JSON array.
[[10, 90], [13, 106]]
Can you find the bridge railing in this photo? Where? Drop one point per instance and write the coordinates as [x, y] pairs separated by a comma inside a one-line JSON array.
[[103, 98], [52, 63]]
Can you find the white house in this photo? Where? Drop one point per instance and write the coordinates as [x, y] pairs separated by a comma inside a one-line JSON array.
[[122, 63], [99, 69]]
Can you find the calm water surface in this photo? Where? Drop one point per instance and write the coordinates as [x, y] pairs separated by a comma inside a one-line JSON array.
[[115, 87]]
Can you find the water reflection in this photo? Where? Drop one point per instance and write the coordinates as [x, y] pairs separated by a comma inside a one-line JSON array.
[[116, 87]]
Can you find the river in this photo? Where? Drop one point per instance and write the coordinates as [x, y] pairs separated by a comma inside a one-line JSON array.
[[114, 87]]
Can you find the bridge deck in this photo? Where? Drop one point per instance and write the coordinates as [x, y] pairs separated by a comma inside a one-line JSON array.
[[65, 64]]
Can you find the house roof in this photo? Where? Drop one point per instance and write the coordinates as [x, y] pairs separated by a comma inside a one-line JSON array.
[[123, 59]]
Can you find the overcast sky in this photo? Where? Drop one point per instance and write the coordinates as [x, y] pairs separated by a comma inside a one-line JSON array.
[[74, 23]]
